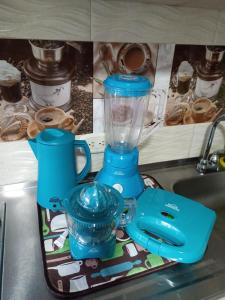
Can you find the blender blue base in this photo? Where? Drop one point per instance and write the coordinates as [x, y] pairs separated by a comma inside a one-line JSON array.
[[81, 251], [132, 186], [121, 172]]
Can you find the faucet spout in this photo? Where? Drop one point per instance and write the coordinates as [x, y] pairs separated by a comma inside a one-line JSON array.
[[203, 164]]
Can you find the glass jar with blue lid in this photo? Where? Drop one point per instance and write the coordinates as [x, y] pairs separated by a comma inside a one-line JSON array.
[[93, 212]]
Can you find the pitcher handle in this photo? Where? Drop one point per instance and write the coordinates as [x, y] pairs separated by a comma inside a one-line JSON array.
[[87, 167]]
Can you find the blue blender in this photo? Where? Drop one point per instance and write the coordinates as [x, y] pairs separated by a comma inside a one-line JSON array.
[[126, 102], [93, 213]]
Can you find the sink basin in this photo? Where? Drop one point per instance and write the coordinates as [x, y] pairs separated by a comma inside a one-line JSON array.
[[23, 269], [208, 189]]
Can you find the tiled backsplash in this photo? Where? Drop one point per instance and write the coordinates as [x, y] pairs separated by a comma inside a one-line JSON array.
[[164, 21], [39, 92], [125, 22]]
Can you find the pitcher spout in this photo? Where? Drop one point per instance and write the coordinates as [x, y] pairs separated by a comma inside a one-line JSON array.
[[33, 145]]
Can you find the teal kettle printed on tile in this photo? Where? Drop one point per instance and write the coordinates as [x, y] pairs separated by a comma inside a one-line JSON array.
[[57, 173]]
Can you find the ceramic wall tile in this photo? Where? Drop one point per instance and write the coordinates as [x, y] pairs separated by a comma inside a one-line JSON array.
[[200, 135], [118, 25], [147, 59], [30, 85], [140, 21], [98, 115], [126, 58], [17, 163], [45, 19], [196, 87], [220, 29], [167, 143], [190, 3]]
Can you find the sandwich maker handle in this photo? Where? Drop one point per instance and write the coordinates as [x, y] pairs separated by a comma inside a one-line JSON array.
[[143, 239], [155, 246]]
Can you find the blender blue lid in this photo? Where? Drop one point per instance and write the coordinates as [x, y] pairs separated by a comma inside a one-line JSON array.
[[127, 85]]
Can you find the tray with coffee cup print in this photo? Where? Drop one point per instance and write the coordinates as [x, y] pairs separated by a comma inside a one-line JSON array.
[[71, 278]]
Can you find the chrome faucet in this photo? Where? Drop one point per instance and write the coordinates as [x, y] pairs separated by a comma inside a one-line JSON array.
[[209, 163]]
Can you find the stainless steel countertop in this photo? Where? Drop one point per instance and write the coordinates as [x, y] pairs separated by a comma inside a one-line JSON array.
[[23, 276]]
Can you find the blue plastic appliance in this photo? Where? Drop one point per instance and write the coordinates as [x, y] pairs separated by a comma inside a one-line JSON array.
[[126, 102], [55, 151], [93, 212], [171, 226]]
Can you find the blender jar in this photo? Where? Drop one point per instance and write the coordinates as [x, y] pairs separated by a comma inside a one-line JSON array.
[[126, 103], [93, 213]]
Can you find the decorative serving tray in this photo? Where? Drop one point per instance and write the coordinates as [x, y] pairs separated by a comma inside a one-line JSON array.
[[67, 277]]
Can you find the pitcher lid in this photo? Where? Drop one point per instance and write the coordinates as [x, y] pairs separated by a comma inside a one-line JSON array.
[[55, 136]]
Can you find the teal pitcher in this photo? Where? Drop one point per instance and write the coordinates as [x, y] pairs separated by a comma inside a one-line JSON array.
[[57, 172]]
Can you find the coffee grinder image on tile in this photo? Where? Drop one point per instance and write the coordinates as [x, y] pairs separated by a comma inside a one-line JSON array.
[[45, 84], [123, 58], [197, 86]]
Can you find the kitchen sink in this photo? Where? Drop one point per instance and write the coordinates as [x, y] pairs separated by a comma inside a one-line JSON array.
[[23, 274], [208, 189]]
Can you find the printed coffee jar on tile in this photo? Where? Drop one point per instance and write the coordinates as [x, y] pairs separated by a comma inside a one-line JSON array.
[[50, 72]]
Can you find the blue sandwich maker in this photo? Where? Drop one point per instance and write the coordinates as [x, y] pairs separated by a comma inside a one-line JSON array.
[[171, 226]]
